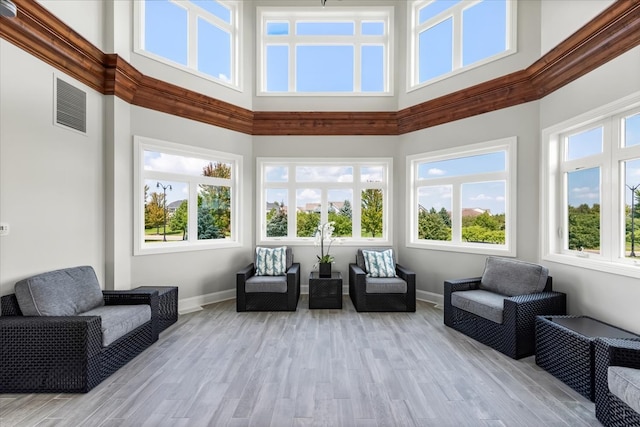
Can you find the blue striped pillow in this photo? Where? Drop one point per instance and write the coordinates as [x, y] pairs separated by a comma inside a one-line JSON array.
[[379, 263], [271, 261]]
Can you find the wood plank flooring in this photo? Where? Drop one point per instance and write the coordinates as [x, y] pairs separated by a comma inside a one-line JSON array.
[[217, 367]]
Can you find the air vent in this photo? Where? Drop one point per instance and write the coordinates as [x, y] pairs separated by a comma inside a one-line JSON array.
[[71, 106]]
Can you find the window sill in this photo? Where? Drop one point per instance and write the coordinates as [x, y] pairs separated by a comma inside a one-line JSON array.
[[631, 269], [184, 247], [480, 249]]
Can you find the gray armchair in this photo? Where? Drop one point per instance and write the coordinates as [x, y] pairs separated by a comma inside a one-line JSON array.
[[268, 293], [381, 293], [499, 308]]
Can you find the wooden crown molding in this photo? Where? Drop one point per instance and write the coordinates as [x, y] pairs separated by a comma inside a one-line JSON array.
[[610, 34]]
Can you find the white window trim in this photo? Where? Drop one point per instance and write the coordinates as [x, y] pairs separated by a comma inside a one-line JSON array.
[[356, 185], [413, 32], [551, 197], [195, 12], [507, 144], [141, 144], [355, 14]]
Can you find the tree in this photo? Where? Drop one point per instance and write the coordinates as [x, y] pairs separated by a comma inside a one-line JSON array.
[[431, 226], [154, 211], [371, 217], [345, 210], [343, 225], [217, 199], [180, 219], [277, 221], [584, 227], [445, 216], [307, 223], [206, 226]]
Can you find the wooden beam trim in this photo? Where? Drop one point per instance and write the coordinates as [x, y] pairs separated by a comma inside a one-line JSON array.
[[35, 30]]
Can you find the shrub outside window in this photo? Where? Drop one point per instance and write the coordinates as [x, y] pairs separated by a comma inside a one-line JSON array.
[[592, 189], [339, 51], [463, 199], [297, 195], [448, 36], [199, 36], [185, 198]]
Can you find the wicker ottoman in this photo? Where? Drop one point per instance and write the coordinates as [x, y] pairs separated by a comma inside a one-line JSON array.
[[168, 302], [325, 292], [565, 348]]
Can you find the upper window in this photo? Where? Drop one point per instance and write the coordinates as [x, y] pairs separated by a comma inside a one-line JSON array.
[[297, 195], [593, 189], [186, 198], [338, 51], [452, 35], [464, 199], [200, 36]]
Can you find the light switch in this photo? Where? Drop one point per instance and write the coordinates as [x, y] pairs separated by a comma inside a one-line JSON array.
[[4, 229]]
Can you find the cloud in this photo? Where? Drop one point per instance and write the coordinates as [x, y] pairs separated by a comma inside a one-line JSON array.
[[586, 193], [308, 196], [436, 172], [481, 197], [175, 164]]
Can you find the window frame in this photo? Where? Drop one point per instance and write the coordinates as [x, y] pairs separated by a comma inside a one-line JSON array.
[[509, 145], [553, 209], [415, 28], [357, 15], [141, 144], [292, 185], [195, 12]]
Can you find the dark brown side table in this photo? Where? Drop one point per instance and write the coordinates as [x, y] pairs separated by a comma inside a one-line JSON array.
[[168, 302], [325, 292], [565, 348]]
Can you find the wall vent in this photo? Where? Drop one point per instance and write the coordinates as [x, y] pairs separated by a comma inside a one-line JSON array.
[[71, 106]]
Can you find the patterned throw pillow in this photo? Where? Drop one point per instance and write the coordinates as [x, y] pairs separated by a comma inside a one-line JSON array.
[[379, 263], [271, 261]]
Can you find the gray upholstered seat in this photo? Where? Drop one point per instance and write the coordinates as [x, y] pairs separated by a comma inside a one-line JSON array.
[[499, 308]]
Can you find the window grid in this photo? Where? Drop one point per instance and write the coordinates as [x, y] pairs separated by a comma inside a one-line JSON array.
[[454, 13], [185, 186], [615, 197], [455, 184], [357, 16], [194, 14], [292, 185]]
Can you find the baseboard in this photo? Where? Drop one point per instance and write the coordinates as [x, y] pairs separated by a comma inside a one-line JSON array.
[[190, 305]]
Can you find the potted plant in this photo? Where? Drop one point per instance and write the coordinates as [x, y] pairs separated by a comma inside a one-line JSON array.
[[324, 233]]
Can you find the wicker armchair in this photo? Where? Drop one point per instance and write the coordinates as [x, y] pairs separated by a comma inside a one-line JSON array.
[[512, 330], [268, 293], [64, 354], [611, 410], [368, 294]]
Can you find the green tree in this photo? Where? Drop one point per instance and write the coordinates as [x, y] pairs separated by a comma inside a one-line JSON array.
[[371, 216], [277, 221], [179, 219], [343, 226], [154, 212], [345, 210], [307, 223], [446, 217], [431, 226], [584, 227], [216, 198]]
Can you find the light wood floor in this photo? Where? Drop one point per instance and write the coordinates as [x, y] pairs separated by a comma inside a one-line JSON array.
[[217, 367]]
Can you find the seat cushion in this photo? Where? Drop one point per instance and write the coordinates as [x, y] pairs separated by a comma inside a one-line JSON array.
[[276, 284], [379, 263], [488, 305], [385, 285], [65, 292], [625, 383], [119, 320], [271, 261], [513, 277]]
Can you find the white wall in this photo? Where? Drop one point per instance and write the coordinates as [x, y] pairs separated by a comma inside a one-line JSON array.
[[432, 267], [561, 18], [51, 178], [84, 16]]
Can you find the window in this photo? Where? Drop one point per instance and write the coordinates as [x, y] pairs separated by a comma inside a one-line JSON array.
[[592, 189], [464, 199], [337, 51], [200, 36], [186, 198], [448, 36], [297, 195]]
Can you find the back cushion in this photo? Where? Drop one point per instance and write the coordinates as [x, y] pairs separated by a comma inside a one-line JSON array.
[[272, 261], [65, 292], [360, 257], [513, 277], [379, 263]]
